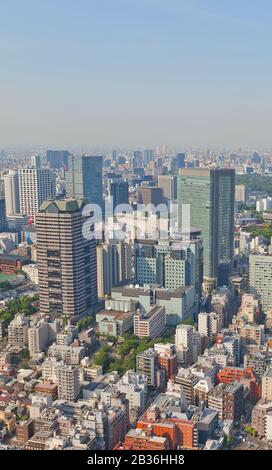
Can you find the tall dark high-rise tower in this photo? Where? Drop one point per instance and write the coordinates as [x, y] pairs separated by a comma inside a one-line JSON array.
[[84, 179], [210, 194], [57, 159], [3, 219], [118, 190]]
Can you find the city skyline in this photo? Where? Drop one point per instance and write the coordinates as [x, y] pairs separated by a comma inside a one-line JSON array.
[[135, 230], [160, 340], [145, 71]]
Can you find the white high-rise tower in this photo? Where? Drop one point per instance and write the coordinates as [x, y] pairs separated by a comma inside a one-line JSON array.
[[11, 185], [36, 185]]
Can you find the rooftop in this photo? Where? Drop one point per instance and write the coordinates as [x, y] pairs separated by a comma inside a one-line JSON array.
[[147, 353], [148, 316], [268, 373], [218, 391], [205, 415], [132, 291], [115, 314], [66, 205], [168, 294], [264, 405]]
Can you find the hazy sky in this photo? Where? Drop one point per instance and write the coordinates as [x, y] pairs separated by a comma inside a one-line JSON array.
[[136, 72]]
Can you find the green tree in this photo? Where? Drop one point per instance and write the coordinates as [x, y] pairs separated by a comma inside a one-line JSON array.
[[84, 323], [24, 354], [127, 346], [102, 357], [111, 339], [20, 305], [264, 231], [130, 363], [189, 321], [4, 286], [256, 182]]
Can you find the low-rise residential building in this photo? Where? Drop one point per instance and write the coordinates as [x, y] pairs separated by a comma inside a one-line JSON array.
[[18, 331], [228, 400], [138, 439], [38, 339], [31, 271], [259, 414], [258, 362], [187, 380], [207, 422], [72, 355], [165, 417], [202, 390], [134, 386], [167, 359], [68, 382], [268, 426], [146, 365]]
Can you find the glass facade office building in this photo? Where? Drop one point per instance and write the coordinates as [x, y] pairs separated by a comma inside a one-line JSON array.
[[84, 179], [210, 194]]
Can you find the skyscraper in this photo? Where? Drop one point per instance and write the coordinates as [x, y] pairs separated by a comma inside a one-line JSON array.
[[66, 260], [57, 159], [150, 195], [3, 219], [11, 184], [148, 156], [181, 160], [35, 186], [118, 190], [168, 184], [137, 158], [84, 179], [36, 161], [241, 193], [210, 194], [114, 265], [260, 278]]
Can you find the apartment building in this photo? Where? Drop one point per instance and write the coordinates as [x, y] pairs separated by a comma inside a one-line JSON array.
[[18, 332], [146, 363], [68, 382], [150, 325], [228, 400], [36, 185], [259, 415]]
